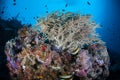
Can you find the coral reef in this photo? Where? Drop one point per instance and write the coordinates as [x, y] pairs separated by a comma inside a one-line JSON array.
[[60, 46]]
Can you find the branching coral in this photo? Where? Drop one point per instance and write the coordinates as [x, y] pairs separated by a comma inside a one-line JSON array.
[[60, 46], [68, 30]]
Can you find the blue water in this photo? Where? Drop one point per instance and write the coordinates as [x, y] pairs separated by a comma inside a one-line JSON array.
[[104, 12]]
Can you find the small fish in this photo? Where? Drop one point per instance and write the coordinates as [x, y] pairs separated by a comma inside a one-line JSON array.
[[63, 10], [101, 25], [88, 3], [2, 12], [40, 77], [25, 8], [75, 51], [14, 0], [66, 5], [14, 4], [46, 11], [36, 16], [45, 5]]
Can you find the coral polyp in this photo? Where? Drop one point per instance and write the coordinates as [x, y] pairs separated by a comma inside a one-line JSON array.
[[60, 46]]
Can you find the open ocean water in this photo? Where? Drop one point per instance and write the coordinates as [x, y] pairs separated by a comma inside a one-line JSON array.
[[106, 13]]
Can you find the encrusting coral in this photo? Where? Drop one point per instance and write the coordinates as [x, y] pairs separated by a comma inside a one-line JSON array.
[[60, 46]]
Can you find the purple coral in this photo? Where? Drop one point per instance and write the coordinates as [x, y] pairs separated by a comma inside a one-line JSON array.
[[59, 50]]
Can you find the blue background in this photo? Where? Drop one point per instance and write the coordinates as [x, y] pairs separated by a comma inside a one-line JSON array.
[[106, 13]]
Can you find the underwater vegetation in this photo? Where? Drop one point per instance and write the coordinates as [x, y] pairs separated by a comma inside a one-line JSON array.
[[61, 46]]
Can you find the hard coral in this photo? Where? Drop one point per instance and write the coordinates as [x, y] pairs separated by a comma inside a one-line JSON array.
[[61, 46]]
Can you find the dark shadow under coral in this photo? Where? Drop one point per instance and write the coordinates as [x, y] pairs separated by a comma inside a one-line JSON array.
[[8, 30]]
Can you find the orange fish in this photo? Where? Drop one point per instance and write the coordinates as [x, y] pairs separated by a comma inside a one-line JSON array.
[[40, 77]]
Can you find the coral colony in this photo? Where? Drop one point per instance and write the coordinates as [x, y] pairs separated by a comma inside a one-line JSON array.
[[61, 46]]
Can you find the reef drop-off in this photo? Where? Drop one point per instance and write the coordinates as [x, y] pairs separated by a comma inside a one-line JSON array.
[[61, 46]]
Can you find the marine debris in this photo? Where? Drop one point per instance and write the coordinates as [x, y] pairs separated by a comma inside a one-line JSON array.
[[59, 47]]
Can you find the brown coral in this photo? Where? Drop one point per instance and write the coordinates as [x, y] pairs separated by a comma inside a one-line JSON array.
[[66, 46]]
